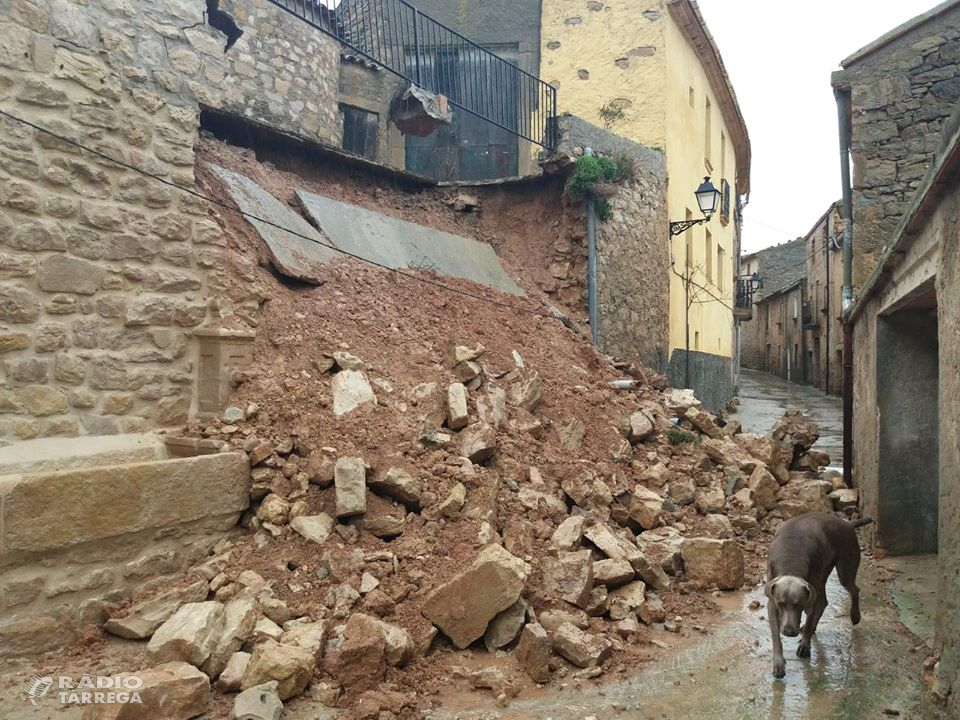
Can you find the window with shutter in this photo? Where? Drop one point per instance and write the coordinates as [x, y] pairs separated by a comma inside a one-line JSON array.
[[725, 202]]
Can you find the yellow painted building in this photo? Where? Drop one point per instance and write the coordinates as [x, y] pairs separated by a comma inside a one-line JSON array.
[[650, 71]]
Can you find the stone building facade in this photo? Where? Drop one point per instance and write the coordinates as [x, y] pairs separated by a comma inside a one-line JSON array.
[[902, 87], [778, 266], [906, 335], [780, 319], [107, 274], [823, 334]]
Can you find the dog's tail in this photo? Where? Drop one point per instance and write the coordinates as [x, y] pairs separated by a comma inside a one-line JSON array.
[[861, 522]]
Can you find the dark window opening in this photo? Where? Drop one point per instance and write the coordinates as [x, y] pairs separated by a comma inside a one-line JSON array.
[[360, 132], [725, 202]]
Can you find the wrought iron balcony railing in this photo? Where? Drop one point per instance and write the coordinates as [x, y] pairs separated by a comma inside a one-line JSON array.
[[743, 299], [397, 36]]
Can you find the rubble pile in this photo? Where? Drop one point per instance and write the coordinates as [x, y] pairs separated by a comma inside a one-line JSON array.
[[437, 479]]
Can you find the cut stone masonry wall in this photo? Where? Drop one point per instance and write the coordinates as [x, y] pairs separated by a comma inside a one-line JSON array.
[[900, 95], [105, 273]]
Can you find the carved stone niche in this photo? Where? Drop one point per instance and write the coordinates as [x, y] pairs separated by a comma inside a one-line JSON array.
[[222, 354]]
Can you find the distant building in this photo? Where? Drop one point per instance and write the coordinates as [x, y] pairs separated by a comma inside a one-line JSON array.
[[823, 332], [779, 267], [780, 320]]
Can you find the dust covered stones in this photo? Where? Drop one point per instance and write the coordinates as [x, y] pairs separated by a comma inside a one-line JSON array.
[[713, 562], [463, 606]]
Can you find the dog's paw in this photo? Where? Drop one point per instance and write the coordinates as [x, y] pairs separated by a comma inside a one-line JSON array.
[[803, 650], [779, 667]]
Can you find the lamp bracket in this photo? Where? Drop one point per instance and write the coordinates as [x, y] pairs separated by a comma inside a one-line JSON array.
[[681, 226]]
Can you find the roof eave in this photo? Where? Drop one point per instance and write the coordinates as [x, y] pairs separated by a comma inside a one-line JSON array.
[[688, 18]]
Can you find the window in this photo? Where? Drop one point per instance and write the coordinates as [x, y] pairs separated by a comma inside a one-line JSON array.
[[688, 237], [723, 154], [692, 104], [359, 132], [724, 202], [708, 254], [696, 340], [721, 268], [707, 132]]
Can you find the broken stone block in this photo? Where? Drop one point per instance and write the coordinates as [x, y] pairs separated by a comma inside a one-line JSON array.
[[240, 617], [534, 652], [290, 666], [361, 661], [463, 606], [420, 112], [231, 678], [261, 702], [313, 527], [646, 507], [350, 390], [678, 401], [553, 619], [844, 498], [612, 573], [682, 492], [528, 393], [190, 635], [639, 427], [582, 649], [568, 577], [171, 690], [349, 478], [710, 499], [764, 486], [274, 509], [713, 562], [652, 573], [652, 610], [346, 361], [398, 644], [627, 600], [267, 629], [310, 636], [796, 432], [567, 536], [454, 501], [319, 468], [468, 372], [479, 442], [398, 484], [732, 427], [703, 421], [587, 490], [718, 525], [458, 416], [612, 545], [142, 619], [571, 431], [505, 627], [384, 526]]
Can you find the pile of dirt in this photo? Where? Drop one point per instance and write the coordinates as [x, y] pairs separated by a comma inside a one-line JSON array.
[[398, 431]]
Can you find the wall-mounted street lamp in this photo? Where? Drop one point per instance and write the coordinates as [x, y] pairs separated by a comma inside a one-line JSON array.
[[708, 199]]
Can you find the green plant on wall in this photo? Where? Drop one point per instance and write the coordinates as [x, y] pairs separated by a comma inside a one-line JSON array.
[[610, 113], [595, 175]]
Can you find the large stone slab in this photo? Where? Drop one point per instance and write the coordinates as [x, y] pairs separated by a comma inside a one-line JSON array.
[[52, 454], [174, 690], [399, 244], [51, 510], [463, 607], [293, 255]]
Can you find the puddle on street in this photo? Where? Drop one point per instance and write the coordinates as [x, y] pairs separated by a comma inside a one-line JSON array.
[[854, 673]]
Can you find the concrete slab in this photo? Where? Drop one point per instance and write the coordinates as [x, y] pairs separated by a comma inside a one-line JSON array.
[[399, 244], [52, 454], [293, 256]]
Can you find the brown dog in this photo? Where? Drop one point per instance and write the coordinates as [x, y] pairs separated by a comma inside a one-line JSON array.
[[801, 557]]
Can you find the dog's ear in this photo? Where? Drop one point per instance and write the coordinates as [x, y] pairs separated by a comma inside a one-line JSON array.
[[768, 588], [811, 593]]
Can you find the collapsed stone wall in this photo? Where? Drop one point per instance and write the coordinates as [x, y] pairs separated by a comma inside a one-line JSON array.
[[106, 273], [900, 94]]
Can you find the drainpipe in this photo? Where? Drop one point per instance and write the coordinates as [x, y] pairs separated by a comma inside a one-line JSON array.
[[826, 350], [592, 261], [841, 90]]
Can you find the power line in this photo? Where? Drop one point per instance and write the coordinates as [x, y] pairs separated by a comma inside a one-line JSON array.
[[251, 216]]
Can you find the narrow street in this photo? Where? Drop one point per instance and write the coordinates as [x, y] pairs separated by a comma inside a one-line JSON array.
[[870, 671]]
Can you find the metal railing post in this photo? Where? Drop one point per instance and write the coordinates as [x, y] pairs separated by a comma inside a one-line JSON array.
[[416, 44]]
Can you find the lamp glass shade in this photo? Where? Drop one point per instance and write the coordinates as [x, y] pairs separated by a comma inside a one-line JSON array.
[[755, 281], [708, 197]]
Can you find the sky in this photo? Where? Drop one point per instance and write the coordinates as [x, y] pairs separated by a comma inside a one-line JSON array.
[[779, 56]]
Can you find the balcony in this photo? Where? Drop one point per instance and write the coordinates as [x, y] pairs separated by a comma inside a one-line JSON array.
[[743, 299]]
